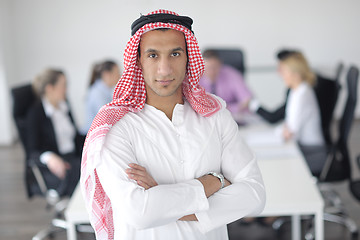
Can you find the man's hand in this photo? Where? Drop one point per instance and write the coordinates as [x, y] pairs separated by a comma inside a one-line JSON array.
[[141, 176], [58, 166], [211, 184], [191, 217]]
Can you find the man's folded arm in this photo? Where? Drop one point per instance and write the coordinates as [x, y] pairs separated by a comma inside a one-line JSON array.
[[156, 206], [246, 194]]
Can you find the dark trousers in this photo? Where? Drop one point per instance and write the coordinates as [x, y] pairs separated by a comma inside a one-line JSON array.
[[66, 186]]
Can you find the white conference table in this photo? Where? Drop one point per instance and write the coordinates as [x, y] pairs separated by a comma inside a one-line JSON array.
[[290, 187], [75, 213], [291, 190]]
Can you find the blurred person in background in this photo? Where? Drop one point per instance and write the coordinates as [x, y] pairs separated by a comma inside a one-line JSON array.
[[278, 114], [52, 136], [225, 82], [301, 113], [102, 82]]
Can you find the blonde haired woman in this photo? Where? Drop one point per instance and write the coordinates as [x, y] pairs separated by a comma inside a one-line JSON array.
[[302, 114]]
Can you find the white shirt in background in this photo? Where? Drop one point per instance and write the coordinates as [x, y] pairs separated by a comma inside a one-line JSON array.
[[175, 153], [302, 115], [63, 127]]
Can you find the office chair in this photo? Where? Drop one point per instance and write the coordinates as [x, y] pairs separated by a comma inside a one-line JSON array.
[[327, 92], [23, 98], [337, 166], [354, 185], [233, 57]]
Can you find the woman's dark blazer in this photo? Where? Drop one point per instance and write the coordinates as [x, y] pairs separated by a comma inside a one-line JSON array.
[[40, 137]]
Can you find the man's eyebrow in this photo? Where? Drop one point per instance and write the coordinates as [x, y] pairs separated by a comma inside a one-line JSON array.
[[178, 49], [151, 50]]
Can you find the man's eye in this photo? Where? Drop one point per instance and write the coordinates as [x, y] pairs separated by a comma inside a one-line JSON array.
[[175, 54], [152, 55]]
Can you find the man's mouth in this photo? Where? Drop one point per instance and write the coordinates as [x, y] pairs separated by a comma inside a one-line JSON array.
[[164, 82]]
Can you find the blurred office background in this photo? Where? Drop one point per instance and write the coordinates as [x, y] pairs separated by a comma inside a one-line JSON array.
[[72, 35]]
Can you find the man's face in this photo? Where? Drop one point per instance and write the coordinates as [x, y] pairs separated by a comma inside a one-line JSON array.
[[163, 62]]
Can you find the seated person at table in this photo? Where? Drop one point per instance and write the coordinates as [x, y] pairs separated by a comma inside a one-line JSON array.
[[225, 82], [52, 137], [103, 80], [302, 120]]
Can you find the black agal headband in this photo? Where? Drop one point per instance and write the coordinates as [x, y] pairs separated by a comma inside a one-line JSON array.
[[160, 17]]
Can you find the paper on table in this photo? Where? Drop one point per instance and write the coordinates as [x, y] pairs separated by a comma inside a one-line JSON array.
[[264, 138]]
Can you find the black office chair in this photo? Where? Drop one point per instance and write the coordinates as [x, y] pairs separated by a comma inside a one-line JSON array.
[[327, 92], [23, 98], [354, 185], [233, 57], [338, 166]]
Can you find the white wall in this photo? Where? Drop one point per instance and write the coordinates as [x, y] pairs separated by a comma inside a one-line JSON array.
[[73, 34]]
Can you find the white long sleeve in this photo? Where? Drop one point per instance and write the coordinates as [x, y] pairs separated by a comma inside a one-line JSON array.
[[141, 208], [246, 194]]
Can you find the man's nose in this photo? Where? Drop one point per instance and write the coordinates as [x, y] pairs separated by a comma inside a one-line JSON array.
[[164, 67]]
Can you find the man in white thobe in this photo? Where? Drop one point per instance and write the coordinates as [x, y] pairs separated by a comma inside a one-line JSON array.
[[164, 160]]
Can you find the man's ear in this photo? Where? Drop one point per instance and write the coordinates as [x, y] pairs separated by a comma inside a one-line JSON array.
[[138, 57], [138, 61]]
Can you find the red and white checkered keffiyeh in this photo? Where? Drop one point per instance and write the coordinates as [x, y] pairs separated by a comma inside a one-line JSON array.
[[130, 96]]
